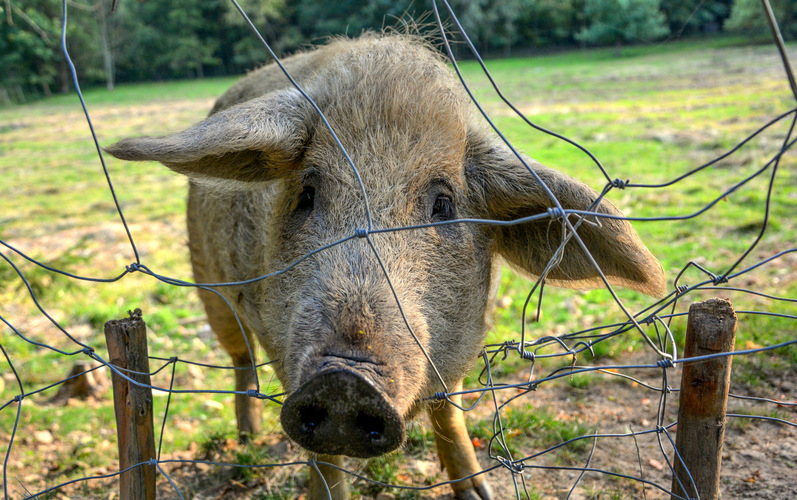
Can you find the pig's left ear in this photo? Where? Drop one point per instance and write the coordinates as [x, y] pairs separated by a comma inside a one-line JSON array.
[[501, 188], [257, 140]]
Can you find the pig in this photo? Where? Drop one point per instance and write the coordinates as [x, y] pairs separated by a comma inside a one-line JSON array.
[[363, 334]]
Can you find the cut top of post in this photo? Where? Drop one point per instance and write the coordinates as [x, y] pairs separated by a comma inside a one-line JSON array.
[[714, 323]]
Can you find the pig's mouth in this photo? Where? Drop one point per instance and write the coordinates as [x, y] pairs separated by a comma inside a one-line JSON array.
[[342, 410]]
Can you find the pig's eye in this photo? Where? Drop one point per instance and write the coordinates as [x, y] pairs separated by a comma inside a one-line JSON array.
[[443, 208], [306, 199]]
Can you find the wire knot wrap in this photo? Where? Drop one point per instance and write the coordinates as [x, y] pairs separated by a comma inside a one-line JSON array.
[[528, 355], [619, 183], [665, 363], [556, 213], [88, 351], [718, 280], [440, 396], [361, 232], [131, 268], [252, 393], [516, 467]]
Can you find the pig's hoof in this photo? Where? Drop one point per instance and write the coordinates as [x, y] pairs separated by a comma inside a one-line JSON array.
[[485, 491], [481, 491], [244, 437]]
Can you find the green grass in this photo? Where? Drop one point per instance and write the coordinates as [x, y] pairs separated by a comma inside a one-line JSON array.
[[650, 116], [527, 427], [136, 94]]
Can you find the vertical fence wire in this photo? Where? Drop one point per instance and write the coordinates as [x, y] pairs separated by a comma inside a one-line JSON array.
[[507, 463]]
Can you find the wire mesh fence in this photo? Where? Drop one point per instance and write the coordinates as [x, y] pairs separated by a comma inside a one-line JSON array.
[[508, 390]]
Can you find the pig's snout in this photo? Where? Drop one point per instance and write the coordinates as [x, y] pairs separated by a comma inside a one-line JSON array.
[[340, 412]]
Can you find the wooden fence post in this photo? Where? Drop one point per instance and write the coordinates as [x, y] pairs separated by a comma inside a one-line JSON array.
[[127, 349], [711, 329]]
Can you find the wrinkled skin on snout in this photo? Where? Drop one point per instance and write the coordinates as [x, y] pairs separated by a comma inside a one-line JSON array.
[[348, 326]]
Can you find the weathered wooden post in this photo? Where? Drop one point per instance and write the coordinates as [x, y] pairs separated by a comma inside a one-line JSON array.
[[127, 349], [711, 329]]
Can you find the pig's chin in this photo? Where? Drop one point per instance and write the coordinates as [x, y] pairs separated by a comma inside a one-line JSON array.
[[343, 406]]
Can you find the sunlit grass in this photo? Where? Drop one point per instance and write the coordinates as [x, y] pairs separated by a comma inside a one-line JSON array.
[[650, 116]]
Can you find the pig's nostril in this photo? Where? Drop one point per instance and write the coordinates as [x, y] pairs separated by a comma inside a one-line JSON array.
[[311, 417], [340, 412], [373, 427]]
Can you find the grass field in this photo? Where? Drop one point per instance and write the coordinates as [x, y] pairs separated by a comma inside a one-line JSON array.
[[650, 116]]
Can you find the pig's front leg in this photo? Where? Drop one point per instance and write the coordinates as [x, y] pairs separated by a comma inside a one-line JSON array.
[[456, 451], [334, 485], [248, 411]]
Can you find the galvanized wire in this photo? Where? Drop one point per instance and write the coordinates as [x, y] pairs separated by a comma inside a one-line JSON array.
[[658, 315]]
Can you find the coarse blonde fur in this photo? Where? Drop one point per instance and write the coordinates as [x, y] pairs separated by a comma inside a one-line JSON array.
[[421, 156]]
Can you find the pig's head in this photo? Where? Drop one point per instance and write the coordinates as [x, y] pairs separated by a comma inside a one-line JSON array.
[[349, 324]]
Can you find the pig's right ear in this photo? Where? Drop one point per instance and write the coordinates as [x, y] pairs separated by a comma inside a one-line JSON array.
[[502, 188], [254, 141]]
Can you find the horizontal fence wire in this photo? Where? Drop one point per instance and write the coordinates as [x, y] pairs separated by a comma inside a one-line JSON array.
[[653, 325]]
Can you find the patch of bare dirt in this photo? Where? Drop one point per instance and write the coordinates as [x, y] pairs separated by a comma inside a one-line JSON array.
[[759, 457]]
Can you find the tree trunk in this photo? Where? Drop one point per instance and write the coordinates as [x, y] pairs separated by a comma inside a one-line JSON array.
[[44, 85], [101, 13], [20, 94], [64, 76]]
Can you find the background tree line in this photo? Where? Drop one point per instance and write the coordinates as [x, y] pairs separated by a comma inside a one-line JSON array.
[[166, 39]]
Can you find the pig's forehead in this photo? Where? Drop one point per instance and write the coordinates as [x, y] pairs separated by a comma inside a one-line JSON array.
[[402, 143], [408, 161], [396, 108]]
